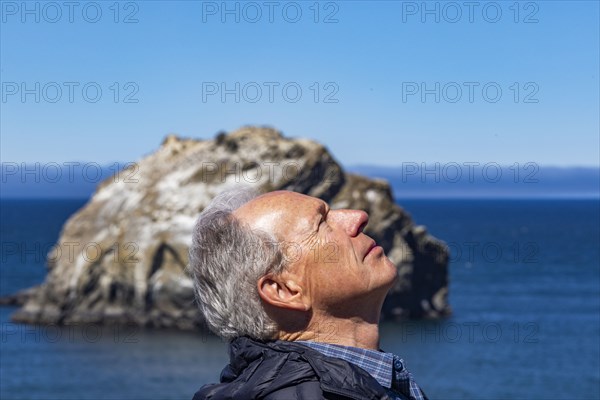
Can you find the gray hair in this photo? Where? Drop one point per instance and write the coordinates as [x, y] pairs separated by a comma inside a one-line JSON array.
[[226, 260]]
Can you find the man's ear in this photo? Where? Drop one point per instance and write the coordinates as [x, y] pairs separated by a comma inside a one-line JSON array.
[[282, 291]]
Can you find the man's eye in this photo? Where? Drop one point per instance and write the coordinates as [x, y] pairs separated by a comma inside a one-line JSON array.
[[323, 224]]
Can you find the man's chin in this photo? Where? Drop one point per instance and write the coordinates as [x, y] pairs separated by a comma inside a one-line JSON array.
[[393, 272]]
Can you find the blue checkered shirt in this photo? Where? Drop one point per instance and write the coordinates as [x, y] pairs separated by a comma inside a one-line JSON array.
[[387, 368]]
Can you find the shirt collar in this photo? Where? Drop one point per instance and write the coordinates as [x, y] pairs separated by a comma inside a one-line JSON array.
[[378, 364]]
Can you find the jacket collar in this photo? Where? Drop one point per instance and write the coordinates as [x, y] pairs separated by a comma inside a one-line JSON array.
[[335, 375]]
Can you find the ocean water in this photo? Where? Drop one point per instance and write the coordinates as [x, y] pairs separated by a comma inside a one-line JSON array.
[[524, 288]]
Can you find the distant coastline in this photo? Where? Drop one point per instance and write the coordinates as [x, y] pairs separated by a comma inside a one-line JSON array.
[[487, 181], [78, 180]]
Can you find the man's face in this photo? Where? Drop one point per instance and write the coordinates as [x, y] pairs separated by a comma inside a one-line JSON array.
[[338, 267]]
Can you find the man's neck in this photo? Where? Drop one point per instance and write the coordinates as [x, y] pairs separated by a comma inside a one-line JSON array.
[[342, 331]]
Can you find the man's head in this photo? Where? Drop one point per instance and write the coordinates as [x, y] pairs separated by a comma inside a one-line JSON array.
[[272, 262]]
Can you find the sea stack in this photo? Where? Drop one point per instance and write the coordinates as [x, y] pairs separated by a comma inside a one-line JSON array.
[[128, 246]]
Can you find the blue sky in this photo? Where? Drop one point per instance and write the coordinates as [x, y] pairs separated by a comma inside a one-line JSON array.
[[361, 68]]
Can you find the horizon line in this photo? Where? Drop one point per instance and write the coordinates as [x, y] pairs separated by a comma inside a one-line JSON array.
[[357, 165]]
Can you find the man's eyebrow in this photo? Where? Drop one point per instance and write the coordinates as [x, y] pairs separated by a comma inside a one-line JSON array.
[[323, 210]]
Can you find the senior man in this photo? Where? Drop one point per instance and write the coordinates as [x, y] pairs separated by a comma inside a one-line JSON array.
[[297, 288]]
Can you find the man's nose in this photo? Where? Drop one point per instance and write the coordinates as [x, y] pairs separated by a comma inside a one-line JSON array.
[[352, 221]]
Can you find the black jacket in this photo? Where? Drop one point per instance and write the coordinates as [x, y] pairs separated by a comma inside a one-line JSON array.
[[288, 371]]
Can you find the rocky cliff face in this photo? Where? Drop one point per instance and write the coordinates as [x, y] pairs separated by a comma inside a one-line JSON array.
[[124, 255]]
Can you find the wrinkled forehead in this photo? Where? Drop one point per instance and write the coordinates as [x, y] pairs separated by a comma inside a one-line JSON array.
[[284, 214]]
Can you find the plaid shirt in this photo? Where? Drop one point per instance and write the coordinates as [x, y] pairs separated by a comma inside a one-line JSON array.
[[387, 368]]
